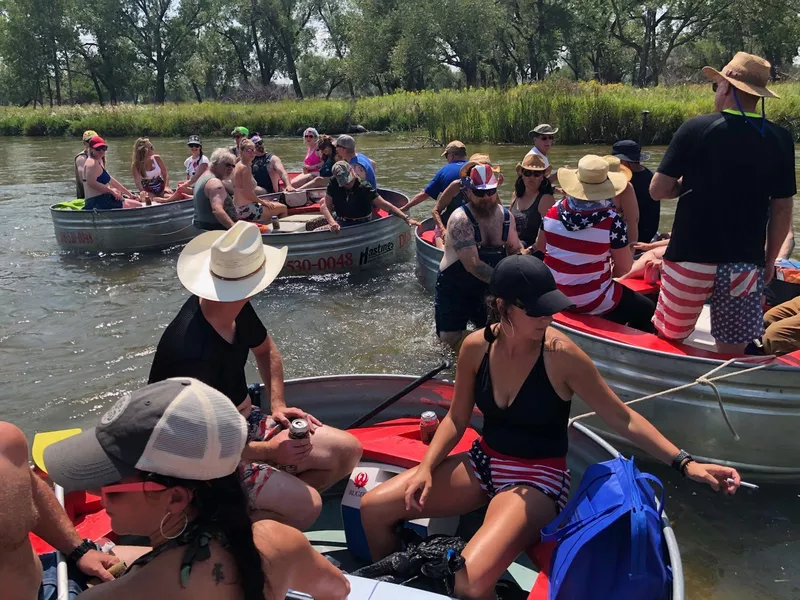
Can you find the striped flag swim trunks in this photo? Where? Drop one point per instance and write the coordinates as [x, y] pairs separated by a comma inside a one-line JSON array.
[[734, 290]]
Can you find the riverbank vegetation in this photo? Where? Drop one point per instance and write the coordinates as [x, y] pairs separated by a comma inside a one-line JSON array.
[[64, 52], [585, 113]]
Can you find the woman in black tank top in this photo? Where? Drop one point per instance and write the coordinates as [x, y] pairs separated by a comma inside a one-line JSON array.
[[521, 374]]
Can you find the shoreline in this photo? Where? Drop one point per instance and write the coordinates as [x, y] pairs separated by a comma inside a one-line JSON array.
[[585, 113]]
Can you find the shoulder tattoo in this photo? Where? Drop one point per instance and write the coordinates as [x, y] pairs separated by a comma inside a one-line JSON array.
[[217, 573]]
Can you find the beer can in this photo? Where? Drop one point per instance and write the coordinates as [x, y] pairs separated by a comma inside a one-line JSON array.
[[428, 424], [298, 429]]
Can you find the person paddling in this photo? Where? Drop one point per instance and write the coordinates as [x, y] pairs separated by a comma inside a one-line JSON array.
[[521, 373], [723, 221]]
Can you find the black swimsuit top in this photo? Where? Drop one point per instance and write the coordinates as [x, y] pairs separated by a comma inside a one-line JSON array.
[[535, 423]]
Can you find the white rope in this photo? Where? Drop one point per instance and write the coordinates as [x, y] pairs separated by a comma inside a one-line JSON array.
[[702, 380]]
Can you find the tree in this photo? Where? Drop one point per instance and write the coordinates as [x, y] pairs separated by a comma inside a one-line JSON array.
[[286, 21], [654, 29], [160, 30]]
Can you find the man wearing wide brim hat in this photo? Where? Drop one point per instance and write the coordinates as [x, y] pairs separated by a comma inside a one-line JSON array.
[[630, 154], [211, 338], [586, 243], [456, 155], [733, 171]]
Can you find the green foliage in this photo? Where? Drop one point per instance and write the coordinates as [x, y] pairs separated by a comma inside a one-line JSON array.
[[585, 113]]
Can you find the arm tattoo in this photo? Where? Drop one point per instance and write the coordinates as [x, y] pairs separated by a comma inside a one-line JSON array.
[[217, 573], [483, 271]]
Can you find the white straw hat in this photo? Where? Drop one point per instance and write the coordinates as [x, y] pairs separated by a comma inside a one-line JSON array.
[[229, 265], [592, 180]]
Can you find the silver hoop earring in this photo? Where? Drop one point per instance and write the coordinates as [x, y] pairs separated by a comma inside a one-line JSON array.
[[161, 526]]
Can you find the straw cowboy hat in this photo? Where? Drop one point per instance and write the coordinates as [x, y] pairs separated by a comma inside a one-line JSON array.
[[531, 162], [229, 265], [592, 180], [615, 166], [746, 72], [477, 159]]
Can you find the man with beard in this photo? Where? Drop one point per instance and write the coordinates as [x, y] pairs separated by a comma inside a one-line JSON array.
[[479, 235]]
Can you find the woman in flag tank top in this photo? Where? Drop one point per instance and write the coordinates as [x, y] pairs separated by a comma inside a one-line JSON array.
[[521, 373], [581, 236]]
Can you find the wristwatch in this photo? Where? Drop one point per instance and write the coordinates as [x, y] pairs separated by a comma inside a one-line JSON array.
[[81, 550], [680, 462]]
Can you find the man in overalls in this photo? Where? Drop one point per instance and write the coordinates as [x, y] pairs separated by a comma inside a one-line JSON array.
[[479, 235]]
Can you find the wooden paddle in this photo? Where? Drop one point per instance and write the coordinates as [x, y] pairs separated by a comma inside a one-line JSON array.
[[406, 390], [46, 438]]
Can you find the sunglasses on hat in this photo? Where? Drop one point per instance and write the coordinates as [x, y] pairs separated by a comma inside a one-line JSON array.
[[484, 193]]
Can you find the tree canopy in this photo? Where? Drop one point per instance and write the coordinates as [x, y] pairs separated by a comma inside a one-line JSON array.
[[55, 52]]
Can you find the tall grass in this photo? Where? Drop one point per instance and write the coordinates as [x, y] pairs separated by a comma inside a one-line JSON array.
[[585, 113]]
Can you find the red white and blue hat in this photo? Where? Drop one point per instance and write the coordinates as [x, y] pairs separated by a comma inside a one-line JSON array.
[[482, 177]]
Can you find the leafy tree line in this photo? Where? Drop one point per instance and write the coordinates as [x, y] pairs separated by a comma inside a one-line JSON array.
[[55, 52]]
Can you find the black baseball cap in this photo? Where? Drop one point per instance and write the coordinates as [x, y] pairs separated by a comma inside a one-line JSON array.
[[525, 281], [629, 150]]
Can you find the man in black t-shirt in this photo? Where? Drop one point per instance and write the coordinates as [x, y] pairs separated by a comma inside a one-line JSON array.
[[352, 199], [211, 339], [734, 174], [631, 155]]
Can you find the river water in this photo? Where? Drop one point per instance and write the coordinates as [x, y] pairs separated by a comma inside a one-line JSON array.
[[78, 330]]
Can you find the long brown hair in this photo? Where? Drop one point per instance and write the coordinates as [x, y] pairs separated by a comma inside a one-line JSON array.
[[140, 149]]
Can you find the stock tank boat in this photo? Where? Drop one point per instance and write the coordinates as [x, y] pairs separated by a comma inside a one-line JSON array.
[[380, 241], [391, 442], [760, 395]]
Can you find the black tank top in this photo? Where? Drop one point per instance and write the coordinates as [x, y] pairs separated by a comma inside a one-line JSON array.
[[534, 425]]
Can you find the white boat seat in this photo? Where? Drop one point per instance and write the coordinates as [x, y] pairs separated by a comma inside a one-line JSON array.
[[701, 338], [291, 226]]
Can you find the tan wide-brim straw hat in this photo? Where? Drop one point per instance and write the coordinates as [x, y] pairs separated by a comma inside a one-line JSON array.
[[591, 180], [532, 162], [231, 265], [746, 72], [615, 166], [477, 159]]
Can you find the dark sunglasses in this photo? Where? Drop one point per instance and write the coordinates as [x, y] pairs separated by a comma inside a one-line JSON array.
[[484, 193], [529, 173], [528, 312], [229, 165], [194, 145], [547, 137], [714, 87], [259, 144], [309, 136], [101, 148]]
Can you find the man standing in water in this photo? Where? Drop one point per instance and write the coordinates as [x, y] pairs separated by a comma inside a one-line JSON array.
[[456, 155], [479, 235], [733, 172]]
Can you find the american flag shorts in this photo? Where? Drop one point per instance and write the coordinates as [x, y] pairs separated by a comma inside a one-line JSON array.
[[497, 472], [734, 290]]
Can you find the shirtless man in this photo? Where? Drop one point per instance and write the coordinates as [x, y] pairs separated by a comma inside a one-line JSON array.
[[479, 235], [249, 207]]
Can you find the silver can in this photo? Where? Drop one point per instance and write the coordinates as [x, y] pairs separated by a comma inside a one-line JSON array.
[[299, 429]]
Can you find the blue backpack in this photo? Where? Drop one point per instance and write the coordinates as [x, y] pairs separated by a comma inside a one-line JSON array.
[[610, 542]]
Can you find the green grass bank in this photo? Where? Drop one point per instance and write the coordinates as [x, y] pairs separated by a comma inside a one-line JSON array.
[[585, 113]]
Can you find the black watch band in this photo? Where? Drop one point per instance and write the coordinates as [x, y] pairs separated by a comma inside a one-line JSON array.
[[681, 460], [80, 551]]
